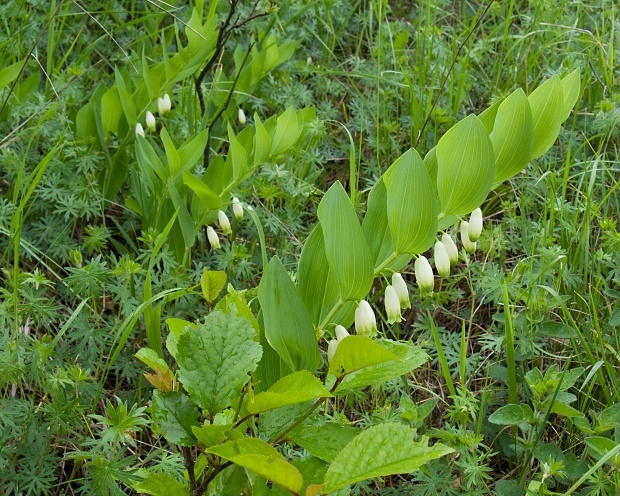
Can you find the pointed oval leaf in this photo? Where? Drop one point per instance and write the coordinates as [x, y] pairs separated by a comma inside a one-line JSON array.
[[288, 328], [375, 224], [192, 149], [381, 450], [294, 388], [238, 155], [356, 352], [216, 358], [212, 282], [211, 434], [512, 136], [262, 458], [172, 155], [547, 103], [571, 86], [287, 130], [111, 110], [206, 195], [262, 142], [323, 440], [347, 253], [161, 485], [312, 274], [412, 207], [465, 167], [488, 116]]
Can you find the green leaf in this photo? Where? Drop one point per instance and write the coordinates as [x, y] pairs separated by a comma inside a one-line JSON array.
[[287, 130], [323, 440], [465, 167], [10, 73], [294, 388], [375, 224], [211, 434], [409, 357], [599, 447], [356, 352], [172, 155], [571, 86], [411, 204], [509, 415], [192, 149], [288, 328], [207, 197], [381, 450], [215, 360], [161, 485], [85, 124], [111, 110], [262, 458], [237, 299], [163, 377], [488, 116], [512, 136], [262, 142], [346, 250], [608, 418], [174, 415], [212, 282], [238, 155], [313, 273], [547, 103]]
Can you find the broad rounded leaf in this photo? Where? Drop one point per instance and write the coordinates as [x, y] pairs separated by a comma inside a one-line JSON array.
[[512, 136], [216, 358], [174, 415], [294, 388], [356, 352], [547, 103], [508, 415], [161, 485], [212, 282], [262, 458], [465, 167], [411, 204], [381, 450]]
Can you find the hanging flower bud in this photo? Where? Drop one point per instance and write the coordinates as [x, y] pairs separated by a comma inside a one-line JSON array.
[[399, 284], [442, 260], [150, 121], [475, 225], [241, 116], [424, 275], [341, 333], [237, 208], [214, 240], [139, 130], [451, 249], [392, 305], [365, 323], [469, 245], [222, 219], [164, 105], [332, 346]]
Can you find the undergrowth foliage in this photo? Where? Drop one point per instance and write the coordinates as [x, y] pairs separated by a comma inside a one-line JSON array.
[[221, 224]]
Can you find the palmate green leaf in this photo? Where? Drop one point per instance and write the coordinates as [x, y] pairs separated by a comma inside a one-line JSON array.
[[512, 136], [356, 352], [409, 357], [411, 204], [323, 440], [262, 458], [346, 250], [288, 328], [287, 131], [216, 358], [381, 450], [212, 282], [161, 485], [294, 388], [174, 415], [465, 167], [571, 86], [547, 103]]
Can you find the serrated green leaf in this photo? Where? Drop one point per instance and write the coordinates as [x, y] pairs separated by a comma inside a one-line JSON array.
[[212, 282], [211, 434], [346, 250], [323, 440], [465, 167], [294, 388], [412, 206], [409, 357], [161, 485], [287, 130], [571, 86], [237, 299], [174, 415], [512, 136], [215, 360], [288, 328], [262, 458], [547, 103], [381, 450], [356, 352]]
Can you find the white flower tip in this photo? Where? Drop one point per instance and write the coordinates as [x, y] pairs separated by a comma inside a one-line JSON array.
[[424, 275], [139, 130], [365, 322], [341, 333], [442, 260], [241, 116], [164, 104], [213, 238], [392, 305], [222, 219], [237, 208], [402, 291], [150, 121], [475, 225], [332, 346], [468, 244]]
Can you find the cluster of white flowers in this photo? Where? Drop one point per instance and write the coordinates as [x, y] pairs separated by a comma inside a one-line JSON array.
[[224, 222], [164, 105], [396, 297]]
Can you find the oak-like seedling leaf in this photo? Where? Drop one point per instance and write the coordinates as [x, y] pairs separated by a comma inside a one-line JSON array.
[[547, 103], [346, 249], [216, 358], [512, 136], [262, 458], [161, 485], [465, 167], [381, 450], [174, 415], [356, 352], [294, 388], [412, 206]]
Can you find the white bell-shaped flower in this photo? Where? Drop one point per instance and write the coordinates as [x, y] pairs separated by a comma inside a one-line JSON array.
[[442, 259], [150, 121], [341, 333], [213, 238], [222, 219], [451, 249], [402, 291], [424, 275], [475, 225], [365, 322], [468, 244], [392, 305], [237, 208]]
